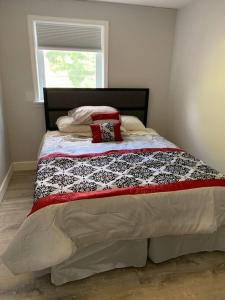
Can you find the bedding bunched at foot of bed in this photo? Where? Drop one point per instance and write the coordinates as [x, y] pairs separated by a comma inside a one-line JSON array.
[[132, 191]]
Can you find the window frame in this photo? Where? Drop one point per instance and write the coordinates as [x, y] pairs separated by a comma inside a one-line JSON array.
[[32, 19]]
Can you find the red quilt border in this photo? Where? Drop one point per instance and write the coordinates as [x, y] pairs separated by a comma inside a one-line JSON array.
[[177, 186]]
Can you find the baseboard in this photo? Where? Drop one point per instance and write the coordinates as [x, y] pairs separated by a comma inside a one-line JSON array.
[[24, 165], [15, 166], [5, 182]]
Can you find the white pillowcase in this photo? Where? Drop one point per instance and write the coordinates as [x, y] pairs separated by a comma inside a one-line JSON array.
[[132, 123], [82, 114], [65, 124]]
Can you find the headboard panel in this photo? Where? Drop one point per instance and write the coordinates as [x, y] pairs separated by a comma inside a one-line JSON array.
[[129, 101]]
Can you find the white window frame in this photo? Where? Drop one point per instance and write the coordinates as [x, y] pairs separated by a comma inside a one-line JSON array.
[[32, 19]]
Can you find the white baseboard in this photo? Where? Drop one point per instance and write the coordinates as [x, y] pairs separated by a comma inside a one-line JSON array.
[[5, 182], [15, 166], [24, 165]]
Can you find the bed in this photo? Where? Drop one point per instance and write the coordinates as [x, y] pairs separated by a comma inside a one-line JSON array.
[[110, 205]]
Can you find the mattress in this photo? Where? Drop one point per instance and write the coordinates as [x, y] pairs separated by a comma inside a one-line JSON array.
[[68, 218]]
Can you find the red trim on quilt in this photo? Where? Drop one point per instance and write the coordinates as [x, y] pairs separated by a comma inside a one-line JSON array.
[[58, 154], [177, 186]]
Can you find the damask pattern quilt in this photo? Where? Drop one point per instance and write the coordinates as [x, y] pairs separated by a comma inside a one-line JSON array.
[[62, 177]]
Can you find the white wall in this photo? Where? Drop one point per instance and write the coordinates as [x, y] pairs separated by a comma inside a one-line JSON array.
[[4, 149], [197, 92], [140, 50]]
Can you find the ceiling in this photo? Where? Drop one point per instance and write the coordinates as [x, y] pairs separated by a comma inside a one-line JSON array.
[[155, 3]]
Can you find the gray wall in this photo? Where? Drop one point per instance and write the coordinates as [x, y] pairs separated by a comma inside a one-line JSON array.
[[197, 94], [140, 50], [4, 149]]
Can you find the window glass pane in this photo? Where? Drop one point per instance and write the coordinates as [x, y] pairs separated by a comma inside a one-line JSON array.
[[70, 68]]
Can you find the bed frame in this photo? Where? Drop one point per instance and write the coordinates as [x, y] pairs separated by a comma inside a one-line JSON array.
[[129, 101]]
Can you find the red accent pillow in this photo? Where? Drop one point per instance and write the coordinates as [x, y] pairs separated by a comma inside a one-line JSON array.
[[106, 132], [107, 117]]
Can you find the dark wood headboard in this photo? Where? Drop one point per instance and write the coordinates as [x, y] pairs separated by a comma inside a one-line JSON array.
[[129, 101]]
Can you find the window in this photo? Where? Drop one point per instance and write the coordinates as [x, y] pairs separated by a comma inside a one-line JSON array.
[[68, 53]]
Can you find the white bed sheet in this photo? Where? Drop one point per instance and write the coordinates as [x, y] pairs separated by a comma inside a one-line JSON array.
[[55, 233], [56, 142]]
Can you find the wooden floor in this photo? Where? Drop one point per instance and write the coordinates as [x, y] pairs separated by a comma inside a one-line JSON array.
[[200, 276]]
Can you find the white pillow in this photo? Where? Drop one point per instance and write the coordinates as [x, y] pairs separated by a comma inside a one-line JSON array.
[[82, 114], [65, 124], [132, 123]]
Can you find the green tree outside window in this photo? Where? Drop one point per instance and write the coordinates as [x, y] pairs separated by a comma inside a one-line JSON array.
[[80, 67]]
